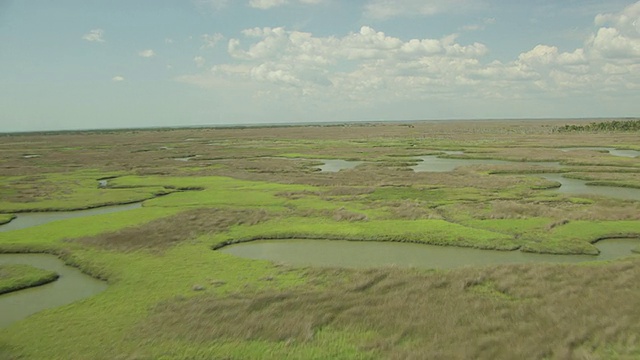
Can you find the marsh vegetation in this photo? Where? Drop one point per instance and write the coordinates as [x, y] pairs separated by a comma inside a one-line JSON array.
[[171, 295], [16, 277]]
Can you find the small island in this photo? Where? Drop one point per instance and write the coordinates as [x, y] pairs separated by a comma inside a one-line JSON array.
[[14, 277]]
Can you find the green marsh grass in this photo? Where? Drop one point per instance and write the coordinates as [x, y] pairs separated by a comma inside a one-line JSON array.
[[171, 296], [5, 218], [14, 277]]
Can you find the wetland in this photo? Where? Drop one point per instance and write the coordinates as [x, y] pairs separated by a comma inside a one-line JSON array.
[[490, 229]]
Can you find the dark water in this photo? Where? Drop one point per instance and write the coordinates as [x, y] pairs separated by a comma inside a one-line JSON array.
[[357, 254], [25, 220], [72, 286]]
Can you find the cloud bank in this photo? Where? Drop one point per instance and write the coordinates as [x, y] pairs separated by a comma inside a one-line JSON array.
[[371, 67]]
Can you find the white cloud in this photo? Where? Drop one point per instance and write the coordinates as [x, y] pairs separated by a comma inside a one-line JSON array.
[[369, 67], [210, 40], [95, 35], [385, 9], [611, 43], [619, 34], [627, 21], [117, 78], [309, 65], [200, 61], [608, 63], [148, 53]]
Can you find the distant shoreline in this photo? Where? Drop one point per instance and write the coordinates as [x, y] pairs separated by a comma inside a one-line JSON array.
[[304, 124]]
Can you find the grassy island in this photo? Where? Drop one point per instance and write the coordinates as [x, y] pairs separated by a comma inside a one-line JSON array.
[[17, 277]]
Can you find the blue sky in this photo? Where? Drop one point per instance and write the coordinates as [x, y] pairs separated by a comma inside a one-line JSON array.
[[142, 63]]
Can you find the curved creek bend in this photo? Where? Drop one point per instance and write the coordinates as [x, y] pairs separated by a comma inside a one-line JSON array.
[[25, 220], [72, 285], [358, 254], [434, 163], [372, 254]]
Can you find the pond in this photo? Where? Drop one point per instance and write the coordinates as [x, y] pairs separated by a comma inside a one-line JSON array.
[[25, 220], [577, 187], [359, 254], [337, 165], [71, 286]]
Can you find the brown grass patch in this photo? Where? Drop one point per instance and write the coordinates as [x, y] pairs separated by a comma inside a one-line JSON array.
[[343, 214], [524, 311], [560, 210], [163, 233], [411, 210]]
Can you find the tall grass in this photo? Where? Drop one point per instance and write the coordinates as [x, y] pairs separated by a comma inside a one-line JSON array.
[[156, 256], [505, 312], [18, 276]]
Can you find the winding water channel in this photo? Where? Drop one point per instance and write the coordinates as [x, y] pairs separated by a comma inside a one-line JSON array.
[[74, 285], [578, 187], [434, 163], [611, 151], [358, 254], [71, 286], [25, 220]]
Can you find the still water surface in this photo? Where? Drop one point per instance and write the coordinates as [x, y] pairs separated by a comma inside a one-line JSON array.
[[337, 165], [577, 187], [611, 151], [434, 163], [25, 220], [72, 285], [359, 254]]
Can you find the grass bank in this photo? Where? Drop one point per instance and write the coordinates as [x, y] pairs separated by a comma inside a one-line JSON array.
[[15, 277], [5, 218]]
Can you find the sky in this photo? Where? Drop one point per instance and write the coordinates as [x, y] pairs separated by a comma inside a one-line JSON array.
[[95, 64]]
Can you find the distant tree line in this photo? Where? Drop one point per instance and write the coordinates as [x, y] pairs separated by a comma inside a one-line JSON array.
[[613, 125]]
